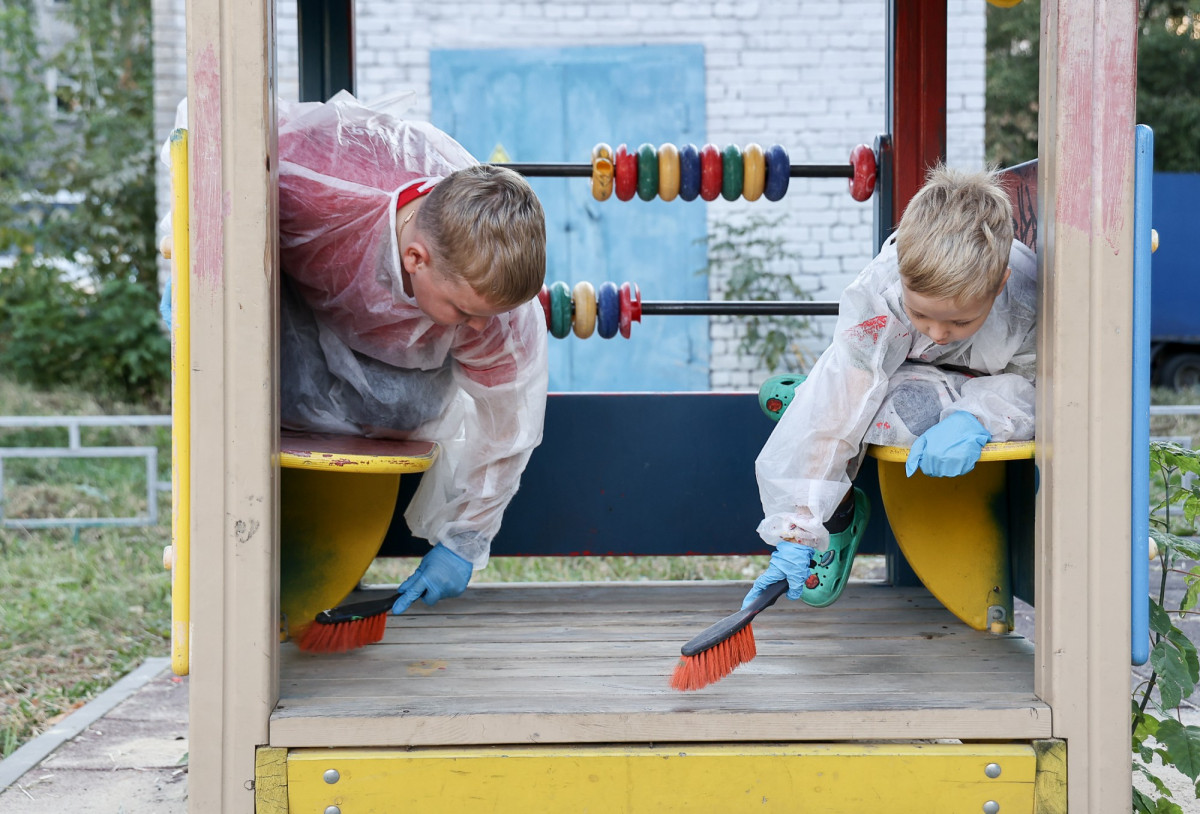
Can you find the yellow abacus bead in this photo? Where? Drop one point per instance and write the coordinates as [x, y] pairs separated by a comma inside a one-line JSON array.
[[668, 172], [602, 172], [584, 297], [754, 165]]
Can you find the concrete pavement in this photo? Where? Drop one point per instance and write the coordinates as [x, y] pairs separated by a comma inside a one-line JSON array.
[[123, 753]]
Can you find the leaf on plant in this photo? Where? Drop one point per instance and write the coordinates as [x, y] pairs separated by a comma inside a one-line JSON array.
[[1183, 746], [1174, 678], [1160, 620], [1188, 651]]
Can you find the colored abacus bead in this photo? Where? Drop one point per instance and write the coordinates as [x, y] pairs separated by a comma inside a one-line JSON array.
[[626, 173], [862, 158], [585, 309], [668, 172], [754, 167], [630, 298], [689, 172], [733, 172], [711, 171], [602, 172], [647, 185], [560, 309], [608, 309], [779, 172]]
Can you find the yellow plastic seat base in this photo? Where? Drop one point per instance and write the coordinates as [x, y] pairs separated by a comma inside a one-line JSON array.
[[954, 531], [337, 497]]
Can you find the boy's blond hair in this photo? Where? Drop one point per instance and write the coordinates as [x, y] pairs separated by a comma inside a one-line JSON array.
[[954, 239], [486, 226]]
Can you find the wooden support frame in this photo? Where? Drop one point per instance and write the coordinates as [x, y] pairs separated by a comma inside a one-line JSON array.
[[1085, 181], [1085, 213], [234, 575]]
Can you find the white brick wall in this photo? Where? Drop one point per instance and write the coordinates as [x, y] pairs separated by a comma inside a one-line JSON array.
[[810, 78]]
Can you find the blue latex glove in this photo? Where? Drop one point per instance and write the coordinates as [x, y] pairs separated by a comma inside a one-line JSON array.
[[441, 574], [790, 561], [949, 448], [164, 305]]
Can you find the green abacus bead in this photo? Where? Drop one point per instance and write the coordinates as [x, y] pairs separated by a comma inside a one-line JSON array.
[[560, 309], [733, 172], [647, 186]]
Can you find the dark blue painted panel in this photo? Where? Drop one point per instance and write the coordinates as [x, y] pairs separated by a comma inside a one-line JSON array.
[[545, 105], [1175, 290], [641, 473]]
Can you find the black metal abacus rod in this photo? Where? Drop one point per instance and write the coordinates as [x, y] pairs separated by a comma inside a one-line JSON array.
[[575, 170], [739, 308]]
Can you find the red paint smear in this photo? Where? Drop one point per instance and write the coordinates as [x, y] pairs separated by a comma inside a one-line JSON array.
[[204, 129], [870, 328], [1097, 51]]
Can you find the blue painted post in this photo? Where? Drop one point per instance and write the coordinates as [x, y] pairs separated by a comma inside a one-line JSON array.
[[1140, 464]]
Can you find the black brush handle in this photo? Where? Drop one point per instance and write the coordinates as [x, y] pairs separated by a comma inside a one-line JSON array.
[[356, 611], [722, 630]]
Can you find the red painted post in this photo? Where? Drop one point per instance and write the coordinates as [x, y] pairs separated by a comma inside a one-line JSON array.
[[918, 89]]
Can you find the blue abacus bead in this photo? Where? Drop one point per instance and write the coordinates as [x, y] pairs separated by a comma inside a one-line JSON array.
[[779, 172], [689, 172], [608, 309]]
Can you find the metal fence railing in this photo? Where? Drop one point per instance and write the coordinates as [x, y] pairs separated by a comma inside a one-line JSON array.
[[76, 449]]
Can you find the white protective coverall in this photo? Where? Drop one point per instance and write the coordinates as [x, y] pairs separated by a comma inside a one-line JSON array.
[[882, 382], [358, 356]]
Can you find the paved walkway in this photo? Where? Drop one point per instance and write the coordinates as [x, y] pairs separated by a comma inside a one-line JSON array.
[[124, 753]]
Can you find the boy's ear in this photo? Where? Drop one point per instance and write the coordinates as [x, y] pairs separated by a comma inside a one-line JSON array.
[[1004, 280], [414, 256]]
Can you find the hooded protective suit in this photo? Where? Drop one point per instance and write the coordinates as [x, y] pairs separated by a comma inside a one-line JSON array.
[[361, 357], [357, 355], [882, 382]]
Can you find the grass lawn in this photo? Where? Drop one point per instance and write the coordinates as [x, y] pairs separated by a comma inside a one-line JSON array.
[[77, 610]]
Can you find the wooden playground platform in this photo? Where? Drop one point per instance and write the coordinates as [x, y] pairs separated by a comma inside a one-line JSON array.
[[590, 663]]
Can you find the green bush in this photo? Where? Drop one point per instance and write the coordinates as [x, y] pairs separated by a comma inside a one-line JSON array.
[[1157, 730], [109, 341]]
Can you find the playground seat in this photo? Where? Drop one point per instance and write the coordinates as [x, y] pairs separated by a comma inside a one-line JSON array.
[[337, 496], [955, 532]]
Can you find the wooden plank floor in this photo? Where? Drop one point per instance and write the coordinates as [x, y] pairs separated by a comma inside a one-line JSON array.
[[590, 663]]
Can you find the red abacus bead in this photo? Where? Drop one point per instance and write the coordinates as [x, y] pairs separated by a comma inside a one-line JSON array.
[[626, 173], [711, 172], [630, 297], [544, 299], [862, 158]]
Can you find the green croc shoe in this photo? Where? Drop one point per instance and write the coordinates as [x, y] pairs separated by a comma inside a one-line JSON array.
[[776, 393], [831, 568]]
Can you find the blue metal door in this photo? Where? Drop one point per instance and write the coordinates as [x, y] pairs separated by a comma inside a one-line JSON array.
[[548, 104]]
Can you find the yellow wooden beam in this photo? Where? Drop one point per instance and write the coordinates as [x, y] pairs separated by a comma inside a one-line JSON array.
[[180, 560], [830, 778], [270, 781], [1050, 785]]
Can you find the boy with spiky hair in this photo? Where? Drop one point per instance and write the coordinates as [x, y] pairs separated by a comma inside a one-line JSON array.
[[934, 348]]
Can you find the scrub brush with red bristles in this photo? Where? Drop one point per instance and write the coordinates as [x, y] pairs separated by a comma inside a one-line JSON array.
[[721, 648], [348, 626]]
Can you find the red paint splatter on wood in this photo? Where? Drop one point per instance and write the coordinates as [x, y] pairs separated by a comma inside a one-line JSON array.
[[204, 129]]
